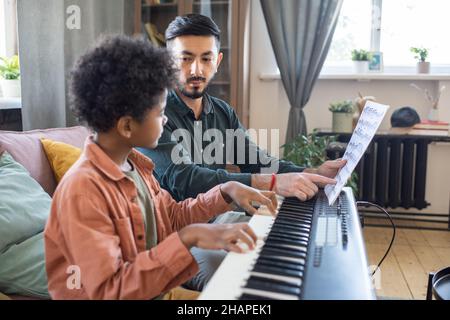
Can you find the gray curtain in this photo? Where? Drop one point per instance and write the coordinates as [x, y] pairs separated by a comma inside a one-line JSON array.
[[48, 48], [301, 32]]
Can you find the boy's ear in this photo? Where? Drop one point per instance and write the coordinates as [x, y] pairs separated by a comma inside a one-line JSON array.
[[124, 126]]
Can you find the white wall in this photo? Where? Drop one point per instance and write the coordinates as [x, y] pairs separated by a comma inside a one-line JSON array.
[[269, 106]]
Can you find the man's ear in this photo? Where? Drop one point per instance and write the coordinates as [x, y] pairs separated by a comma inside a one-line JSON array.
[[124, 126], [219, 60]]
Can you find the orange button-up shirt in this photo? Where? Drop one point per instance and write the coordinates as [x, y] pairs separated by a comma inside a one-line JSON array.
[[95, 234]]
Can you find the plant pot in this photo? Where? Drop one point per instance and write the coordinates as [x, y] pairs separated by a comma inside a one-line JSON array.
[[10, 88], [423, 67], [342, 122], [361, 66]]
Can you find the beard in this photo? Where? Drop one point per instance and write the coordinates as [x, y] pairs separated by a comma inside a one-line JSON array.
[[195, 92]]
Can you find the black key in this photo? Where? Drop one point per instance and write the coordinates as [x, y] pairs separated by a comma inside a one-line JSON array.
[[295, 213], [291, 222], [291, 233], [247, 296], [297, 221], [306, 212], [275, 240], [283, 252], [277, 271], [277, 262], [272, 286], [298, 237], [281, 235], [288, 229], [288, 225], [297, 201], [295, 208], [285, 246], [294, 216]]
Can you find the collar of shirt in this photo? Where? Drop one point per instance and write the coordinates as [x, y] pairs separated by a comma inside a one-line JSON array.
[[183, 109], [106, 165]]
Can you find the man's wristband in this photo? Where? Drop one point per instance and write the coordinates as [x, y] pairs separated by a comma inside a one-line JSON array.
[[273, 181]]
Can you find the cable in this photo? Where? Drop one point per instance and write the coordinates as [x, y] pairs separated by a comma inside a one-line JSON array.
[[368, 204]]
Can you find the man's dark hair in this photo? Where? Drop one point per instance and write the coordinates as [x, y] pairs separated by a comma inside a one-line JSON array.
[[120, 76], [193, 25]]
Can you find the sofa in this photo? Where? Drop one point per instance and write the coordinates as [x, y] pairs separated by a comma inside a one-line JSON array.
[[26, 149]]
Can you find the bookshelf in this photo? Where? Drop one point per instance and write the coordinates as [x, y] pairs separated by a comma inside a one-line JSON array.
[[232, 16]]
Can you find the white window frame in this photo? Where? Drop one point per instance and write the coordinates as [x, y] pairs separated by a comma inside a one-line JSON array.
[[8, 28], [375, 45]]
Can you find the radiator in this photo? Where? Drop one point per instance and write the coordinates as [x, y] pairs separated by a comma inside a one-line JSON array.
[[392, 172]]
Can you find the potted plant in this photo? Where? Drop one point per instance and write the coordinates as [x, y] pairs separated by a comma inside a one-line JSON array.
[[311, 151], [361, 60], [421, 55], [342, 115], [10, 76]]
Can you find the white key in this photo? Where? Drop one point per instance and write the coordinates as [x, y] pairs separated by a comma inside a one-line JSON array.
[[291, 280], [267, 294]]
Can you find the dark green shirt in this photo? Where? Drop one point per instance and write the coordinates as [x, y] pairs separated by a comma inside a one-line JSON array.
[[147, 207], [197, 169]]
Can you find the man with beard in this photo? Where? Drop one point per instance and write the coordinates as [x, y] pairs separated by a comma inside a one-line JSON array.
[[183, 169]]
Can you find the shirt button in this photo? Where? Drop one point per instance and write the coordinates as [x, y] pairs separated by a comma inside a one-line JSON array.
[[140, 237]]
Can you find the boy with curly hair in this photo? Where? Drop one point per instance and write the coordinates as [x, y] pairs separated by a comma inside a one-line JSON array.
[[110, 221]]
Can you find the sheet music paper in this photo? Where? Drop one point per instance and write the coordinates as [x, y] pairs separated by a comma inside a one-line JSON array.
[[369, 121]]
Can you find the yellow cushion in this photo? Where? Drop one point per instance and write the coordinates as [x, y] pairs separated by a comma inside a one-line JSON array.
[[61, 156], [4, 297]]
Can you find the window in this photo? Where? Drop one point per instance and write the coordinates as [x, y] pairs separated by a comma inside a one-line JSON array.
[[352, 31], [8, 28], [392, 27], [420, 24]]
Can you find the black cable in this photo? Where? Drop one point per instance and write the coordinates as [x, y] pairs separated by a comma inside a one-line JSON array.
[[368, 204]]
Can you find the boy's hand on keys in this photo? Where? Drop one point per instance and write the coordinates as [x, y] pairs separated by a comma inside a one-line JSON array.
[[243, 196], [231, 237]]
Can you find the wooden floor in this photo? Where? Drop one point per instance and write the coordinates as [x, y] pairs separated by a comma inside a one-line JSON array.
[[415, 253]]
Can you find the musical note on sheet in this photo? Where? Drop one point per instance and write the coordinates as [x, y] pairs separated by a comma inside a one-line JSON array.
[[369, 121]]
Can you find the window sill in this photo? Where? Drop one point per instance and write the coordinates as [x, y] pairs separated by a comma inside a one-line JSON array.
[[10, 103], [368, 76]]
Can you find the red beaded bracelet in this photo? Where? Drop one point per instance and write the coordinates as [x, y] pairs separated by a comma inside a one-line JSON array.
[[273, 181]]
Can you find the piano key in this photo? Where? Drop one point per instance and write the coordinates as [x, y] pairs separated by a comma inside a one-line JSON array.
[[287, 242], [294, 216], [296, 201], [271, 285], [280, 263], [277, 271], [275, 257], [279, 220], [295, 222], [297, 209], [269, 295], [291, 226], [279, 235], [294, 234], [247, 296], [283, 252], [294, 281], [305, 212], [282, 245]]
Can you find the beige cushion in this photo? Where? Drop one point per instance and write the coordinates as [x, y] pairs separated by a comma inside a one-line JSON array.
[[26, 148], [3, 297]]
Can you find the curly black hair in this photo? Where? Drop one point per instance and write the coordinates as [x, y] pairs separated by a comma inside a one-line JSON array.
[[119, 76]]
